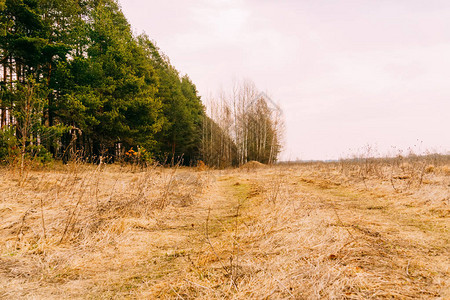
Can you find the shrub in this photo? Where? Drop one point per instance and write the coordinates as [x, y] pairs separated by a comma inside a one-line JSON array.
[[141, 157], [8, 145], [39, 153]]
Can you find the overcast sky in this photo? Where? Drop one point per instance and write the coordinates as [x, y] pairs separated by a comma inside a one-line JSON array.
[[346, 73]]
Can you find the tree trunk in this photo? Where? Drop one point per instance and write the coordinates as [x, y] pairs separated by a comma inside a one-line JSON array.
[[3, 103]]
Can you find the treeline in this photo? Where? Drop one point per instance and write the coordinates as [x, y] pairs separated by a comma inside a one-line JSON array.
[[244, 125], [76, 82]]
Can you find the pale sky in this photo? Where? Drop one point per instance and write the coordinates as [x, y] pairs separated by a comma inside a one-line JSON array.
[[346, 73]]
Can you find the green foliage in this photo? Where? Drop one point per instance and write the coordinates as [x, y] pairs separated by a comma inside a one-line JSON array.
[[39, 154], [3, 19], [180, 135], [29, 100], [10, 150], [145, 156], [8, 145], [79, 67], [141, 156]]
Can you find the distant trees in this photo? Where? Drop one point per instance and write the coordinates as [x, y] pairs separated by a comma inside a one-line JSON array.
[[218, 146], [241, 127]]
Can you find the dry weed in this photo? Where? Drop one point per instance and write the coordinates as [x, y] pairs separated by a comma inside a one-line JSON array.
[[309, 231]]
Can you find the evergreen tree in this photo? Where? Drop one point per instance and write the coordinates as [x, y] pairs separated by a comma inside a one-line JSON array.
[[180, 137]]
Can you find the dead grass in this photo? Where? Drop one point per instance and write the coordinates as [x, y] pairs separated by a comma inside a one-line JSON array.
[[252, 165], [308, 231]]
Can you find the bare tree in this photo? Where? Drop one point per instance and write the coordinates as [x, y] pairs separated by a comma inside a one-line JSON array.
[[244, 126]]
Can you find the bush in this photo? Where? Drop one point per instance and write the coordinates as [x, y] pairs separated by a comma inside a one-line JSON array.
[[10, 150], [8, 145], [141, 157], [39, 153]]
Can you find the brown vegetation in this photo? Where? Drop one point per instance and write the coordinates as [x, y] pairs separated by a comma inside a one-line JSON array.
[[251, 165], [347, 230]]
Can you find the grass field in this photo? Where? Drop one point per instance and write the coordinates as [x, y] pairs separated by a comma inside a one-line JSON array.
[[301, 231]]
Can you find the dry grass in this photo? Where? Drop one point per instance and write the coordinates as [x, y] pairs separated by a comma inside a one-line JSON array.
[[252, 165], [307, 231]]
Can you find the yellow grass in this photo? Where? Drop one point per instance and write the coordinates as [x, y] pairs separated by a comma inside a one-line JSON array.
[[312, 231]]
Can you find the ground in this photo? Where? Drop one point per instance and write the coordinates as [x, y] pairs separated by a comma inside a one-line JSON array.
[[305, 231]]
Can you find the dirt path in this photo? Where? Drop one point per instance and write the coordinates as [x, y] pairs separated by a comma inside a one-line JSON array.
[[184, 253], [188, 249], [169, 253]]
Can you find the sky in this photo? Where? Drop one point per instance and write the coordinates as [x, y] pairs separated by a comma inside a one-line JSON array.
[[346, 74]]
